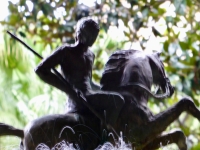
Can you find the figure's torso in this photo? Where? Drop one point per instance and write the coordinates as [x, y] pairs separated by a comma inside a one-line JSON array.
[[77, 67]]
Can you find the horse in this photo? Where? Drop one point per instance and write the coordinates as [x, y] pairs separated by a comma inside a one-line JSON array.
[[131, 73]]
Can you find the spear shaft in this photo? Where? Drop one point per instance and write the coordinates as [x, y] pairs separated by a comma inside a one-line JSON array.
[[33, 51], [28, 47]]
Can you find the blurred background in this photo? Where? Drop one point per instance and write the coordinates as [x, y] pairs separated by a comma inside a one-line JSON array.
[[171, 27]]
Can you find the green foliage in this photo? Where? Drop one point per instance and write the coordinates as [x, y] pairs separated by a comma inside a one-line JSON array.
[[173, 25], [23, 96]]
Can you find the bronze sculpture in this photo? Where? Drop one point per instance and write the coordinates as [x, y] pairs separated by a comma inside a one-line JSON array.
[[130, 73]]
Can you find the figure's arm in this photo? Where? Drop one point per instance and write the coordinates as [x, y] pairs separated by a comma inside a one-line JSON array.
[[43, 70]]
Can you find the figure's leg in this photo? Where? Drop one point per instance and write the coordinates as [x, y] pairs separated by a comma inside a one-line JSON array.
[[109, 104], [177, 137], [162, 120]]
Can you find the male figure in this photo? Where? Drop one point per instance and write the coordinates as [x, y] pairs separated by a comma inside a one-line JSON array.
[[76, 63]]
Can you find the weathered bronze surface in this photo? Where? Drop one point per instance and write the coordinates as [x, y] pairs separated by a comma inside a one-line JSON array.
[[125, 89]]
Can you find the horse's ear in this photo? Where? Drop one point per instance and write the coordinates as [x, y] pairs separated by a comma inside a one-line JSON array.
[[158, 53]]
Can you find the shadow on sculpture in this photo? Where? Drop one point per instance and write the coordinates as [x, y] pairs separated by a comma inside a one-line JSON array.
[[125, 89]]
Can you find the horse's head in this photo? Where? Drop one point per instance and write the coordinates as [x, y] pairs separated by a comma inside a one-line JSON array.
[[159, 76], [132, 68]]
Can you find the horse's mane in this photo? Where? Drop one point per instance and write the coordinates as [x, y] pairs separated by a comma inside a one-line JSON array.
[[115, 67]]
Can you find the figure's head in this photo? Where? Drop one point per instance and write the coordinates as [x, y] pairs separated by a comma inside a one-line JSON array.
[[87, 31]]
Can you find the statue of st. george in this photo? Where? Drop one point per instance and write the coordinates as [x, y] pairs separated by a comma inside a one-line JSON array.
[[76, 63]]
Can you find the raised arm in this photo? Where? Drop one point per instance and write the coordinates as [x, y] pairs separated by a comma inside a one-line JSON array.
[[43, 70]]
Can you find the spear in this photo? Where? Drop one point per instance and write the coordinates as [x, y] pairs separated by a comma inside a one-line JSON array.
[[34, 52], [64, 81]]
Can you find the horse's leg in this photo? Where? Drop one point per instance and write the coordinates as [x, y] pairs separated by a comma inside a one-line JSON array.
[[177, 137], [162, 120], [10, 130]]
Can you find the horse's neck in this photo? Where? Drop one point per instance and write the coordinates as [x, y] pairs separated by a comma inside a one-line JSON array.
[[135, 108]]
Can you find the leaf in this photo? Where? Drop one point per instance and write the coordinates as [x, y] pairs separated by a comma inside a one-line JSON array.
[[47, 9], [166, 45], [12, 7], [169, 19], [145, 12], [186, 130], [189, 3], [13, 19], [133, 2], [138, 23], [22, 34], [22, 2], [183, 45], [35, 12], [156, 32], [161, 11], [180, 6]]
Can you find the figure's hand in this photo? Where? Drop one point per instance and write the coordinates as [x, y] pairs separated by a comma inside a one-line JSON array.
[[80, 95]]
